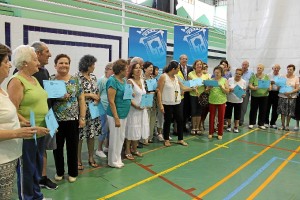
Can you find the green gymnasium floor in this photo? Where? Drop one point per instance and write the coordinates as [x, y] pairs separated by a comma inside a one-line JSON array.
[[253, 164]]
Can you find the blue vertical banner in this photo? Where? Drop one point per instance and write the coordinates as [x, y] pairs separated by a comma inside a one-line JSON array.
[[191, 41], [149, 44]]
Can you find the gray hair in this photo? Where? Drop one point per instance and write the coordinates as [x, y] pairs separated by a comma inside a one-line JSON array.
[[38, 46], [22, 54], [110, 65], [137, 60]]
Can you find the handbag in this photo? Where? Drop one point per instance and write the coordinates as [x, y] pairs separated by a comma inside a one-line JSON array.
[[203, 99]]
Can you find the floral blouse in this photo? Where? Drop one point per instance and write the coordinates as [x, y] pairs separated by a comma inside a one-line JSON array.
[[89, 86], [68, 109]]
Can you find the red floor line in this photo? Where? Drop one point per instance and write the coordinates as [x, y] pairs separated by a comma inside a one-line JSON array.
[[188, 192], [264, 145]]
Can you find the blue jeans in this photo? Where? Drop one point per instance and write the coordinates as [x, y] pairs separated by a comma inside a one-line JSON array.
[[104, 128]]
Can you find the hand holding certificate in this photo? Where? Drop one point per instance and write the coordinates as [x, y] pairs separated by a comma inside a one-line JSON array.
[[55, 88], [212, 83], [280, 81], [51, 122], [238, 91], [151, 84], [285, 89], [147, 100], [128, 92], [264, 84]]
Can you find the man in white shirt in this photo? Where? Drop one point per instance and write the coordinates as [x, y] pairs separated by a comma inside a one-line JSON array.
[[273, 99]]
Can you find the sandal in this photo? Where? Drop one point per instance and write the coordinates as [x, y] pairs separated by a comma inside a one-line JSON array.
[[193, 131], [129, 156], [80, 166], [137, 153], [183, 143], [93, 164], [167, 143]]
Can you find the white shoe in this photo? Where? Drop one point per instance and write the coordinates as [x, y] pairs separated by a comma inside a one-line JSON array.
[[250, 126], [58, 178], [160, 137], [170, 138], [229, 129], [274, 126], [105, 150], [262, 127], [101, 154], [266, 125], [72, 179], [209, 136], [236, 130], [296, 128], [220, 137]]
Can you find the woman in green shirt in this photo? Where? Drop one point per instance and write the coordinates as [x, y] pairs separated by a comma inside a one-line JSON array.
[[217, 100], [259, 98]]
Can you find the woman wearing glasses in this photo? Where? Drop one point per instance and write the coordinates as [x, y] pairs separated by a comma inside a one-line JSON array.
[[234, 102], [169, 98]]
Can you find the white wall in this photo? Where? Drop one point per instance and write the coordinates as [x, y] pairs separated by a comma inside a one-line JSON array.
[[264, 32]]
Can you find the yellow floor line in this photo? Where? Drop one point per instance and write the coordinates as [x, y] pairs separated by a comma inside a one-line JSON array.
[[223, 146], [273, 175], [213, 187], [172, 168]]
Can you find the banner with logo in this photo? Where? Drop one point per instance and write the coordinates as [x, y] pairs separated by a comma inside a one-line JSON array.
[[149, 44], [191, 41]]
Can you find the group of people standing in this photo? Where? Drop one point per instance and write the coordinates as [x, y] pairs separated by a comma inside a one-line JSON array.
[[25, 138]]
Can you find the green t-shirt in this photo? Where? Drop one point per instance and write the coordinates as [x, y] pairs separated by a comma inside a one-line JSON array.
[[216, 95], [122, 105], [192, 75], [35, 99], [261, 92]]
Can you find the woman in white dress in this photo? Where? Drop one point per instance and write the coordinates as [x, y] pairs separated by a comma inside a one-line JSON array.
[[137, 121]]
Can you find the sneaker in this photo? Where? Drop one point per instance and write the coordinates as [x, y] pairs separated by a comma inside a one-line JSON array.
[[250, 126], [72, 179], [45, 182], [101, 154], [160, 138], [274, 126], [296, 128], [228, 129], [266, 125], [105, 150], [262, 127], [236, 130], [58, 178]]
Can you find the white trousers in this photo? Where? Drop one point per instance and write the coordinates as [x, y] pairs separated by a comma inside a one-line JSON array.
[[116, 140]]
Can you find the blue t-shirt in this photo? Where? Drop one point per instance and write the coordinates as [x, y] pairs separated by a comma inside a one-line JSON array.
[[122, 105], [102, 90]]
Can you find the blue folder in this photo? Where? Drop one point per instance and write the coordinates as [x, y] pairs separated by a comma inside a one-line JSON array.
[[147, 100], [264, 84], [238, 91], [151, 84], [212, 83], [128, 92], [55, 88], [51, 122]]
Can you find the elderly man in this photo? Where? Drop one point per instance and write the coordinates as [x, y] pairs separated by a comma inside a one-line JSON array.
[[273, 98], [246, 76], [43, 55]]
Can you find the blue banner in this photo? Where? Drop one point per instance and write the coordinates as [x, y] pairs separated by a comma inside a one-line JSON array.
[[191, 41], [149, 44]]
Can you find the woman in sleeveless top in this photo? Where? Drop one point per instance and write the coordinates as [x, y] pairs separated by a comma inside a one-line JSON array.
[[169, 98]]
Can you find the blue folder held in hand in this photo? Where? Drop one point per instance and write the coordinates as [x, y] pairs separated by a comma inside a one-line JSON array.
[[264, 84], [147, 100], [212, 83], [51, 122], [238, 91], [128, 92], [193, 83], [285, 89], [94, 111], [151, 84], [55, 88], [280, 81]]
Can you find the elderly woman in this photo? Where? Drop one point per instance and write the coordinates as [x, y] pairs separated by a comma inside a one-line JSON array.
[[287, 100], [103, 97], [233, 102], [28, 96], [91, 94], [259, 98], [169, 99], [217, 99], [195, 106], [70, 114], [10, 131], [117, 112]]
